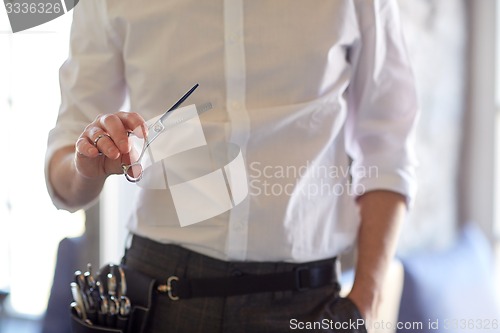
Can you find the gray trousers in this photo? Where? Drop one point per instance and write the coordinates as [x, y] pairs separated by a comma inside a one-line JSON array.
[[315, 310]]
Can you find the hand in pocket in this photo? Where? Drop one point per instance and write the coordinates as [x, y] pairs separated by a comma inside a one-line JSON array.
[[346, 317]]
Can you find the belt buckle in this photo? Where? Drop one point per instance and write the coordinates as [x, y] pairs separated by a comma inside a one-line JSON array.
[[167, 288], [297, 272]]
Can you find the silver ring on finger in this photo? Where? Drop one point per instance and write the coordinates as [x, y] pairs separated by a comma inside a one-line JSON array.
[[99, 137]]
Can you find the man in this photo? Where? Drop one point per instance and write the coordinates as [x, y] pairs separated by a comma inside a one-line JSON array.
[[319, 96]]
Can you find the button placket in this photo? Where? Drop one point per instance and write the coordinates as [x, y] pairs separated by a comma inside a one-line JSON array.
[[237, 239]]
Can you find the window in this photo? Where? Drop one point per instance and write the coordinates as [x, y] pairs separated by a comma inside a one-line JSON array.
[[497, 145], [484, 160], [30, 227]]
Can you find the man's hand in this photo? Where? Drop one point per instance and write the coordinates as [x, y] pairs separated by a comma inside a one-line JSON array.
[[103, 142], [77, 173], [381, 215]]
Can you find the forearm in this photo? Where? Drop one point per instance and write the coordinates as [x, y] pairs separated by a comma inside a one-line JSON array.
[[69, 185], [381, 215]]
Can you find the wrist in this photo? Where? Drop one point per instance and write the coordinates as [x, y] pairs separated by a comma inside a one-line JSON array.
[[366, 300]]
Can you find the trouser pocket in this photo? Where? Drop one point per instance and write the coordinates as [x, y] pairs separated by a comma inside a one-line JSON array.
[[346, 317]]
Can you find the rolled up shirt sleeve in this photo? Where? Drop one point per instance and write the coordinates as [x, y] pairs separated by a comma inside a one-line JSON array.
[[383, 106], [91, 81]]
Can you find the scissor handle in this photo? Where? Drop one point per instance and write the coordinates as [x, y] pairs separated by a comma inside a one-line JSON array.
[[131, 178]]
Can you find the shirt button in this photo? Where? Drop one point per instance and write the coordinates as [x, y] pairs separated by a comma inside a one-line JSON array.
[[238, 226]]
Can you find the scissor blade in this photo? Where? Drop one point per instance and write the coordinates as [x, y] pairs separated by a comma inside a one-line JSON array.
[[179, 102], [182, 117], [159, 127]]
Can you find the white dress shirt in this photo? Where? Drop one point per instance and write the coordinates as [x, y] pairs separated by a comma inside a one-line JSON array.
[[304, 88]]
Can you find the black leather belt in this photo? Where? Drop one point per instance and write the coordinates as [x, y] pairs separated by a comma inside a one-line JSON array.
[[302, 277]]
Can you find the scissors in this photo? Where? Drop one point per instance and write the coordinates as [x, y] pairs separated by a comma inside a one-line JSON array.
[[133, 171]]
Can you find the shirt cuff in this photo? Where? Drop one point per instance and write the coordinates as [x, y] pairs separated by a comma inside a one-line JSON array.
[[402, 182]]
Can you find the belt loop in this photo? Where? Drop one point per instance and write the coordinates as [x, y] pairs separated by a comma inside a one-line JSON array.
[[300, 284]]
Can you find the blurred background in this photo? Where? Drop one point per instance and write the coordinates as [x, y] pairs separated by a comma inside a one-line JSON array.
[[449, 253]]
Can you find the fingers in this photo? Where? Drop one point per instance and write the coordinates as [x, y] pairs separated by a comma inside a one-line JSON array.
[[108, 135], [85, 148]]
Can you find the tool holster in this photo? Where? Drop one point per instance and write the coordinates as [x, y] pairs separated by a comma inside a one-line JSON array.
[[140, 292]]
